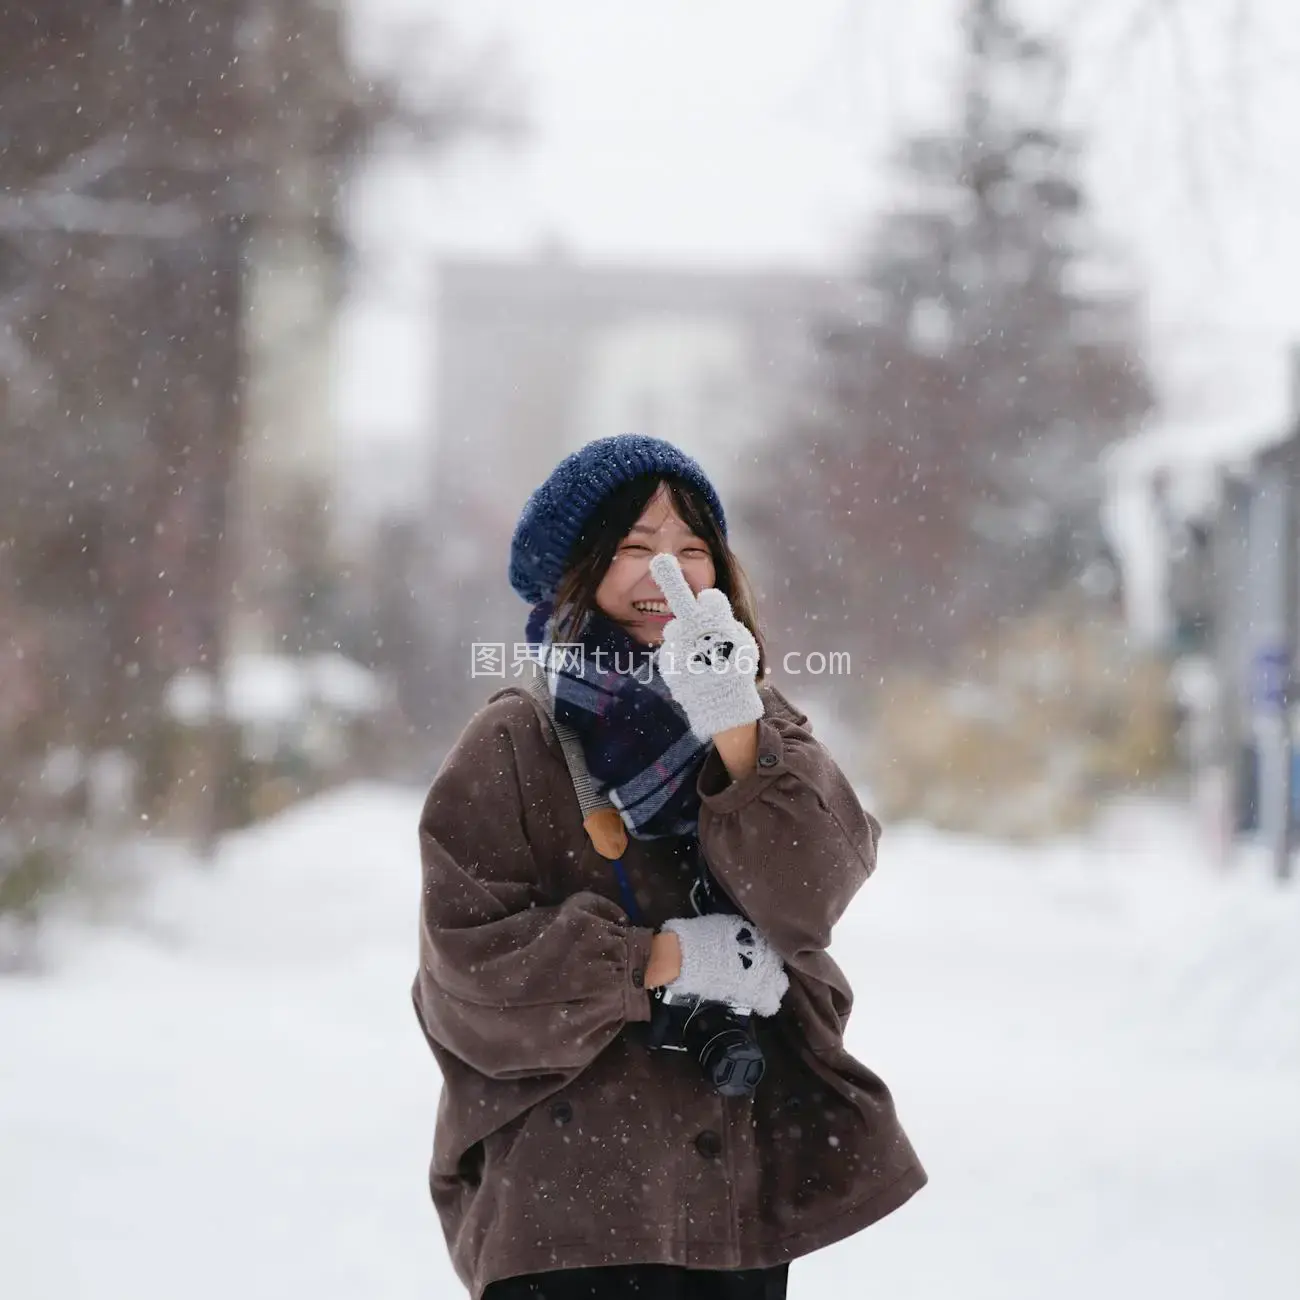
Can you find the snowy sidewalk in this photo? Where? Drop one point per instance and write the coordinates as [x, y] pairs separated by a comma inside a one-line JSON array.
[[1095, 1049]]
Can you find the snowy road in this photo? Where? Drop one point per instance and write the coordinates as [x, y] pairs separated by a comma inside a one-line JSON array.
[[1095, 1049]]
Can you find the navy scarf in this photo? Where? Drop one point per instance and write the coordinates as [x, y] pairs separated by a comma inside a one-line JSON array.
[[639, 747]]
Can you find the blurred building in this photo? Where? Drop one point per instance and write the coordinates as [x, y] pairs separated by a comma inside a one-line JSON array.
[[1205, 517], [536, 358]]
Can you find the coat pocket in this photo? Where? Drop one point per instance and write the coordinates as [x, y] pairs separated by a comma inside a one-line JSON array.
[[615, 1153], [863, 1090], [817, 1140], [499, 1146]]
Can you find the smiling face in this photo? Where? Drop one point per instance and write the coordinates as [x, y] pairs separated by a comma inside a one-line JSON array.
[[627, 593]]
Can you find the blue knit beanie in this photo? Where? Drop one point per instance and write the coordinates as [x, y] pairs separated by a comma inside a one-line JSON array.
[[553, 516]]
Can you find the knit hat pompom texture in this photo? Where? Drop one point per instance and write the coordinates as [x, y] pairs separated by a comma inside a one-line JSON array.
[[554, 515]]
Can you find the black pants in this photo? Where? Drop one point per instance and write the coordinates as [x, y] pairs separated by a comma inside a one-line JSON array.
[[644, 1282]]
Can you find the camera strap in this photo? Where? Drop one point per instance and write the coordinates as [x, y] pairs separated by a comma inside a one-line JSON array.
[[600, 819]]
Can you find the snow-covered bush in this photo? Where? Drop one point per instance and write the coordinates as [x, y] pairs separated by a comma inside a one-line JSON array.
[[1044, 721], [286, 727]]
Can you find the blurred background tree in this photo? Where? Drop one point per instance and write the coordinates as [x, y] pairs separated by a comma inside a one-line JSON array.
[[173, 178], [991, 353], [941, 477]]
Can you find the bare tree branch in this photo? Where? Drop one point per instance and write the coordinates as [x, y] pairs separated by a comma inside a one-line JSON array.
[[76, 214]]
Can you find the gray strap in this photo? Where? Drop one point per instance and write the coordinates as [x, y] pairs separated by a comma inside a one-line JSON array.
[[589, 798]]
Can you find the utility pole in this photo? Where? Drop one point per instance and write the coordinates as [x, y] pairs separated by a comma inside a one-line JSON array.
[[1283, 864], [225, 436], [1281, 837], [1273, 651], [233, 210], [1273, 521]]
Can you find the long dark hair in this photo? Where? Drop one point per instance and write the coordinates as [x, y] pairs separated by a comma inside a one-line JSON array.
[[593, 552]]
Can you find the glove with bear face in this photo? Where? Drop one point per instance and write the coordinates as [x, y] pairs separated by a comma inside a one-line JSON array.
[[725, 959]]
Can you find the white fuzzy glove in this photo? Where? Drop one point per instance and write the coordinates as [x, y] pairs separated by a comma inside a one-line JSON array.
[[725, 959], [708, 658]]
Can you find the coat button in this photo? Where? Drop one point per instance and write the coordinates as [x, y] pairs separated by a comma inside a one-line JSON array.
[[562, 1112], [638, 977], [768, 760], [709, 1144]]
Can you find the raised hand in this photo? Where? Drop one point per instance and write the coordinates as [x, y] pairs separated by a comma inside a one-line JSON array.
[[708, 658]]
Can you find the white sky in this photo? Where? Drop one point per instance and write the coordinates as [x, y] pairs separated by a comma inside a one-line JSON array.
[[752, 132]]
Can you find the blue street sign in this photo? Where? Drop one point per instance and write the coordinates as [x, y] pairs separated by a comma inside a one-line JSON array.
[[1271, 678]]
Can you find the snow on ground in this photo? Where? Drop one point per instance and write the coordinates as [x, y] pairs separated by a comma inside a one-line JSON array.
[[1095, 1048]]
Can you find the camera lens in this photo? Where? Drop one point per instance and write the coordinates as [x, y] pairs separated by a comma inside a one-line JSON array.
[[728, 1055], [733, 1063]]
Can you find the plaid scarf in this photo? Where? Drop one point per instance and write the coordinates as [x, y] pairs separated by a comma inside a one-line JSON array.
[[639, 747]]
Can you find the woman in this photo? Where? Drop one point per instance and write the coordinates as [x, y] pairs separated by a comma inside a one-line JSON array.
[[557, 950]]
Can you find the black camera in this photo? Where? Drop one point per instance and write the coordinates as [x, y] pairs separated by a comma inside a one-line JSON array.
[[720, 1036]]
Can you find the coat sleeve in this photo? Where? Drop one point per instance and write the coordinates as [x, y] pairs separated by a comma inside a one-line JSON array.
[[512, 985], [791, 845]]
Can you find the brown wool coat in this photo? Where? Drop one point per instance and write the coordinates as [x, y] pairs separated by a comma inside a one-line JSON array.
[[561, 1140]]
